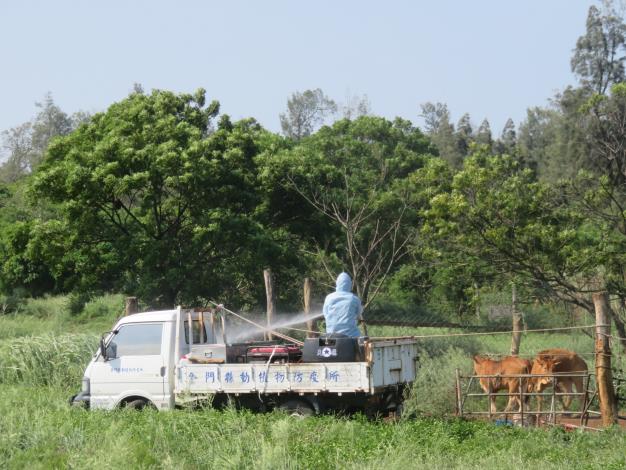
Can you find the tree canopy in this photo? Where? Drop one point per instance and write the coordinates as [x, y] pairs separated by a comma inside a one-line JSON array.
[[152, 200], [163, 197]]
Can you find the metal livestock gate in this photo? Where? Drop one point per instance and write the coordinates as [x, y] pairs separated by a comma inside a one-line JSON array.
[[525, 416]]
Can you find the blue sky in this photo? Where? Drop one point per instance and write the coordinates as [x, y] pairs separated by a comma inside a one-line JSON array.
[[491, 58]]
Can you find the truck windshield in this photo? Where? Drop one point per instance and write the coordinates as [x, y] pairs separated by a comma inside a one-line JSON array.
[[138, 339]]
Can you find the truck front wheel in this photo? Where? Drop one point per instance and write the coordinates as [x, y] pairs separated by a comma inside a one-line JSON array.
[[138, 404]]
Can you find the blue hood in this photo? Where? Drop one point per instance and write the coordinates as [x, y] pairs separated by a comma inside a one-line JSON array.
[[344, 283], [342, 308]]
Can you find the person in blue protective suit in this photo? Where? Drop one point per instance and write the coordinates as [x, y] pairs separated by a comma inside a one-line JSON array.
[[342, 309]]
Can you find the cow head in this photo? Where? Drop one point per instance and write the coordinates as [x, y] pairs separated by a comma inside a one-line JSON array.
[[542, 365], [484, 366], [479, 363]]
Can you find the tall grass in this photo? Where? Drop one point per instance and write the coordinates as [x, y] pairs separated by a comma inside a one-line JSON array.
[[46, 360], [38, 430], [52, 315], [43, 358]]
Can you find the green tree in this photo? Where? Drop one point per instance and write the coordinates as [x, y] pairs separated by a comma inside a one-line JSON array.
[[26, 144], [153, 204], [34, 257], [598, 59], [464, 135], [527, 230], [358, 175], [508, 139], [553, 139], [606, 130], [19, 152], [438, 127], [356, 106], [437, 275], [483, 134], [50, 122], [305, 112], [601, 195]]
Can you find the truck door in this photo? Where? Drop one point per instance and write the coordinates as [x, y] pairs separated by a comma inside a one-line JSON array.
[[136, 367]]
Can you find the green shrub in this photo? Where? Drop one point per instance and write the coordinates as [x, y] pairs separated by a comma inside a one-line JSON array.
[[45, 307], [11, 303], [77, 301], [108, 306]]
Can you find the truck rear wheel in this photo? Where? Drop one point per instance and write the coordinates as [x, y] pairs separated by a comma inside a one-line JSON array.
[[399, 411], [296, 408]]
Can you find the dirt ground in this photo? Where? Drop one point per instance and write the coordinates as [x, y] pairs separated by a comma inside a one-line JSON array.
[[567, 422], [595, 422]]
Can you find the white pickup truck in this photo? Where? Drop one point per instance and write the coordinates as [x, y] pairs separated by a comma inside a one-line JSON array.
[[170, 358]]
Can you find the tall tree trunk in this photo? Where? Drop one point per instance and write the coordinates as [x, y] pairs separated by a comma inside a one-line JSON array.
[[604, 375]]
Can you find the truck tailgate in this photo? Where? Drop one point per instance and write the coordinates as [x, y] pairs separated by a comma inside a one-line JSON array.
[[393, 360]]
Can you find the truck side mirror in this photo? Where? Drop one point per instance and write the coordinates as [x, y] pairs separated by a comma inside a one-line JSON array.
[[103, 349], [108, 352]]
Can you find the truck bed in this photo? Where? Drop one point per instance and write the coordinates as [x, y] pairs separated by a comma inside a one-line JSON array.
[[389, 362]]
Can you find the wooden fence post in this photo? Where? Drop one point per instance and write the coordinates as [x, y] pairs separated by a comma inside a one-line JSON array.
[[517, 323], [269, 294], [604, 375], [310, 323], [132, 306], [477, 297]]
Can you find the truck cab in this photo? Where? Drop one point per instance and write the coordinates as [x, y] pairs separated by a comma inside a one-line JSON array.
[[136, 367]]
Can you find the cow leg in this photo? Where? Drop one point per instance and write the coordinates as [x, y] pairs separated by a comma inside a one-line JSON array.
[[565, 386], [539, 400], [509, 403], [513, 398], [492, 405], [579, 384]]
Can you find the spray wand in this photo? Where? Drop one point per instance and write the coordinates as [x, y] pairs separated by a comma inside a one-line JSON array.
[[241, 317]]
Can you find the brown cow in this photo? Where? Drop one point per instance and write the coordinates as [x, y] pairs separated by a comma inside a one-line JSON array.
[[557, 361], [510, 365]]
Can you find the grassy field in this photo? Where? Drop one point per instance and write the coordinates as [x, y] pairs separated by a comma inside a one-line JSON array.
[[44, 350]]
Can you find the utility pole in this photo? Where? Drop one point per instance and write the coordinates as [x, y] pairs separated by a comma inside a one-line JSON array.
[[604, 375]]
